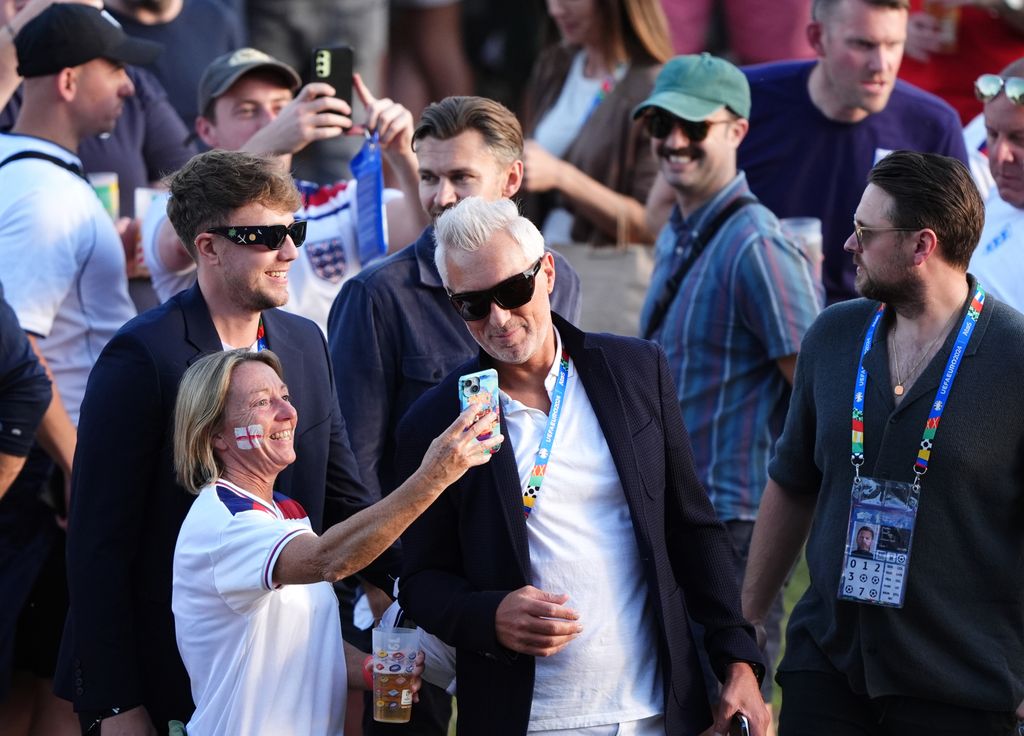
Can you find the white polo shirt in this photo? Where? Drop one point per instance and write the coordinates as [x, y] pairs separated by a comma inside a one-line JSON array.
[[262, 659], [582, 543], [63, 263]]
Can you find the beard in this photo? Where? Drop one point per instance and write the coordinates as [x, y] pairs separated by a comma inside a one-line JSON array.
[[905, 294], [153, 6], [436, 211]]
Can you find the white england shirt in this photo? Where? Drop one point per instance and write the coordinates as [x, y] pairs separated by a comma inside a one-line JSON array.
[[262, 659]]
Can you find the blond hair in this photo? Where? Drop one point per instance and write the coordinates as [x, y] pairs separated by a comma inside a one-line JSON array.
[[199, 411]]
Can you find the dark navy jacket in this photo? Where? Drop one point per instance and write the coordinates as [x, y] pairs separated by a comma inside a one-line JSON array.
[[470, 548], [394, 334]]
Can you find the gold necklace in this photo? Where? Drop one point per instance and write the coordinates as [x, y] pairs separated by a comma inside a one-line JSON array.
[[899, 388]]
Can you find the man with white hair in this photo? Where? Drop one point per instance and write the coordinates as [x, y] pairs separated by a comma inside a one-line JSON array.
[[563, 573]]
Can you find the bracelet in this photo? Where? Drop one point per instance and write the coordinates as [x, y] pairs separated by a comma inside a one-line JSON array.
[[368, 672]]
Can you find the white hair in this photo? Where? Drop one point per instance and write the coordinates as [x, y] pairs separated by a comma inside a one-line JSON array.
[[473, 222]]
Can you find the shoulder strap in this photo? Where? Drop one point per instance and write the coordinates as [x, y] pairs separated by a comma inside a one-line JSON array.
[[697, 246], [73, 168]]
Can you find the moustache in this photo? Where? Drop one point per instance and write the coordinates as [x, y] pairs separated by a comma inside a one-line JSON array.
[[436, 211], [665, 151]]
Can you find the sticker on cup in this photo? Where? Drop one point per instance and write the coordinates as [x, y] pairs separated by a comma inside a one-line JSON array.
[[805, 232], [394, 651], [104, 183]]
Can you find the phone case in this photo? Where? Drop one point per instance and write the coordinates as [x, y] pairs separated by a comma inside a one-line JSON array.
[[333, 65], [481, 388]]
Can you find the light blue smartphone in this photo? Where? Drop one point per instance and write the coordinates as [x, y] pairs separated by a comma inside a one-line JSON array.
[[481, 389]]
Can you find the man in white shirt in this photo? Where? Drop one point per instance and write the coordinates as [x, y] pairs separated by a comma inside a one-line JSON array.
[[564, 573], [997, 261], [64, 276]]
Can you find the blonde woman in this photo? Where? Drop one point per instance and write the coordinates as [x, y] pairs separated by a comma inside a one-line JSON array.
[[255, 615]]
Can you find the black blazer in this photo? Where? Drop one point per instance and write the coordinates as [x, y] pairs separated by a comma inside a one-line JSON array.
[[119, 647], [470, 548]]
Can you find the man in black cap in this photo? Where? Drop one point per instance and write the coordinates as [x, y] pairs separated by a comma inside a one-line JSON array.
[[64, 276]]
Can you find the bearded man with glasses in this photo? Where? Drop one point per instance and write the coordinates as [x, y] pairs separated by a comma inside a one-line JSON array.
[[563, 575], [998, 260], [235, 213], [906, 419]]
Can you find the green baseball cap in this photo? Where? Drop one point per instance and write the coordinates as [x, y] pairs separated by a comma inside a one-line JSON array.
[[692, 87]]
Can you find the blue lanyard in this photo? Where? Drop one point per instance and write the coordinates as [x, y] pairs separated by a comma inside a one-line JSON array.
[[368, 168], [970, 321], [261, 337], [540, 462]]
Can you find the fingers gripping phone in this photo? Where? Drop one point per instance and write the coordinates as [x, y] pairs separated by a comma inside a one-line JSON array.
[[481, 389], [334, 65], [739, 725]]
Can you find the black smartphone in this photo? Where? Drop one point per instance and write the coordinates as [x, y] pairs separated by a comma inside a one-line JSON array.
[[333, 65], [739, 726]]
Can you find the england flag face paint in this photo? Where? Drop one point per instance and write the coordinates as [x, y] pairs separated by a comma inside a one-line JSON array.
[[249, 438]]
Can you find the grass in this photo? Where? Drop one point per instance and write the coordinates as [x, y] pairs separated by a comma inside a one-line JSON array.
[[798, 583]]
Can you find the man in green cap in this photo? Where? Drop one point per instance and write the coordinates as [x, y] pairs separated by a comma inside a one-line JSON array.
[[730, 297]]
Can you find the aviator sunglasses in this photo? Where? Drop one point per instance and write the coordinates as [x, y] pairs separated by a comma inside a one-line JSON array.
[[988, 86], [660, 123], [272, 236], [511, 293]]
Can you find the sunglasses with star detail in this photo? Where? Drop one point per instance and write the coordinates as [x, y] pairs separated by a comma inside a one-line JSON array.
[[271, 236]]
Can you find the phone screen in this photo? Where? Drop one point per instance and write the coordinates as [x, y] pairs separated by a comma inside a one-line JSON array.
[[334, 65]]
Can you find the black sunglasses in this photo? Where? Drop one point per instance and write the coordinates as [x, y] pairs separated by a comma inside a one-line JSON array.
[[988, 86], [511, 293], [660, 124], [272, 236]]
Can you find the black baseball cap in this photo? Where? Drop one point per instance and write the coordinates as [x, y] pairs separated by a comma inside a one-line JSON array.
[[69, 34]]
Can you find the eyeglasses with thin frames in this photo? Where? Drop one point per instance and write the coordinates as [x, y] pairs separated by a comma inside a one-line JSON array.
[[859, 230], [271, 236]]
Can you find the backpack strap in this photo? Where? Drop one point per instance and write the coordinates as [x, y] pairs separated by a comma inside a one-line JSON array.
[[73, 168]]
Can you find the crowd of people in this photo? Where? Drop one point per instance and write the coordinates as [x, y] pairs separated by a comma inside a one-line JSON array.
[[232, 434]]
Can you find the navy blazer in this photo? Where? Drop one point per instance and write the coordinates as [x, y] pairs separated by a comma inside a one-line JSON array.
[[394, 334], [119, 647], [470, 549]]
